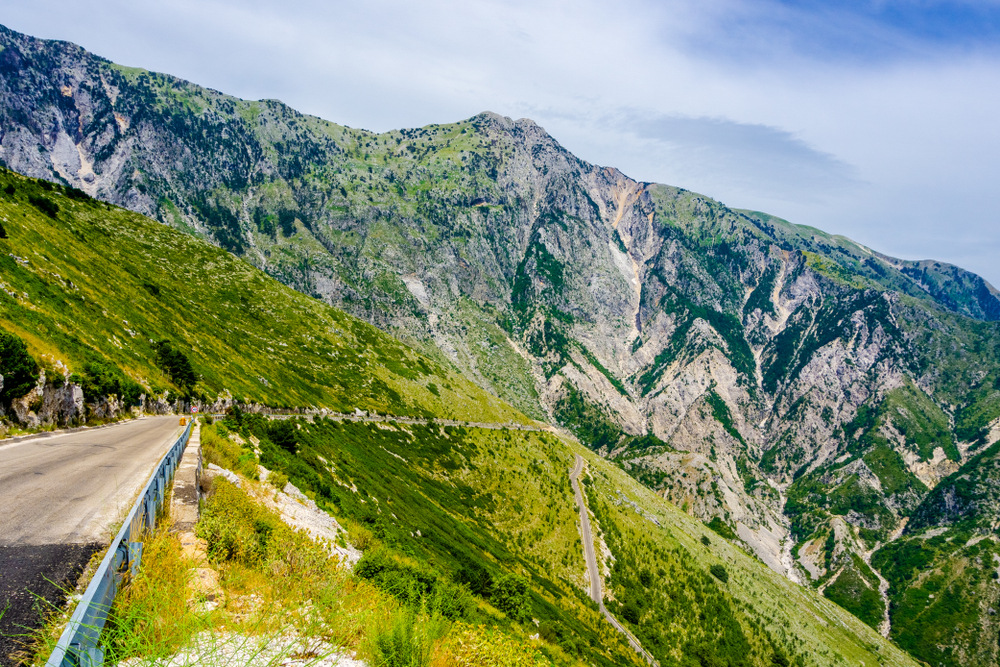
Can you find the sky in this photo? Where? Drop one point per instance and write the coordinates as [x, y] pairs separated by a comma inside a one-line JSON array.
[[878, 120]]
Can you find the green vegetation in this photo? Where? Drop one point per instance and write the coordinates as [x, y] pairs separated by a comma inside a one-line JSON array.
[[476, 243], [722, 415], [856, 590], [18, 368], [478, 526], [472, 524], [588, 422], [175, 365], [728, 327], [719, 572], [100, 379], [687, 601], [937, 584], [242, 331], [722, 528]]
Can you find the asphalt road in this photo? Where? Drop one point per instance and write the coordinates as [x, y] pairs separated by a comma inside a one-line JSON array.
[[60, 498], [596, 594]]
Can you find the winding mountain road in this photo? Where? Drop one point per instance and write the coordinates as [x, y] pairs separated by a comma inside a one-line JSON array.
[[596, 594], [60, 495]]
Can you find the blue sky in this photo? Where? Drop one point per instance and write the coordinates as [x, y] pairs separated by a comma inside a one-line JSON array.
[[876, 120]]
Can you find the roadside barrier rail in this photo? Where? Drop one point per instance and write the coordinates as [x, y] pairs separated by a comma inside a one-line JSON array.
[[78, 644]]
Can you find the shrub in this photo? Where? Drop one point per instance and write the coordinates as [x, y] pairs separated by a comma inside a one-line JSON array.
[[283, 433], [486, 647], [510, 595], [103, 379], [401, 645], [719, 572], [239, 530], [223, 452], [45, 205], [278, 480], [631, 612], [175, 365], [77, 194], [721, 528], [415, 585], [475, 576], [704, 540], [19, 370]]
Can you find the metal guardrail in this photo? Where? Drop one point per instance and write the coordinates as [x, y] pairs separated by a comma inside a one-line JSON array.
[[78, 645]]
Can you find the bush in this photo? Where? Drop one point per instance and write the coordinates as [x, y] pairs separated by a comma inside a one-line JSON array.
[[103, 379], [223, 452], [475, 576], [284, 434], [414, 585], [45, 205], [19, 370], [510, 595], [278, 480], [486, 647], [175, 365], [401, 645], [719, 572], [631, 612], [239, 530], [721, 528]]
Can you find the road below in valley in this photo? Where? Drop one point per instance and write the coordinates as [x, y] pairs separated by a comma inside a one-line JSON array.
[[596, 594]]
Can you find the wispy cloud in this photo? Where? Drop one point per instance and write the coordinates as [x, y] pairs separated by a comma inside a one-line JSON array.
[[749, 156]]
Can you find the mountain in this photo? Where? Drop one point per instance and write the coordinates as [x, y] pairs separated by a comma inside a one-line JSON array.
[[460, 509], [803, 391]]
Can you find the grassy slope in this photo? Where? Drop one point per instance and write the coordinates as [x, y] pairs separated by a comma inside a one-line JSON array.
[[99, 282], [503, 500]]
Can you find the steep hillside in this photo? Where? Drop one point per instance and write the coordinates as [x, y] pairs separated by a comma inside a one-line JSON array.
[[477, 506], [91, 288], [806, 392], [944, 573]]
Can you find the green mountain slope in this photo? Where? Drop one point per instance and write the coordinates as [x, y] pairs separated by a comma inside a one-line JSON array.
[[84, 281], [945, 570], [476, 505]]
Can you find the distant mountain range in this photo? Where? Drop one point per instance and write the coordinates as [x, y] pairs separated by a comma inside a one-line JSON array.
[[831, 406]]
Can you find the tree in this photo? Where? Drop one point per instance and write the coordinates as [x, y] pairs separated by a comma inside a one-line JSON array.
[[176, 365], [284, 434], [45, 205], [19, 370], [101, 379], [719, 572], [510, 595]]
